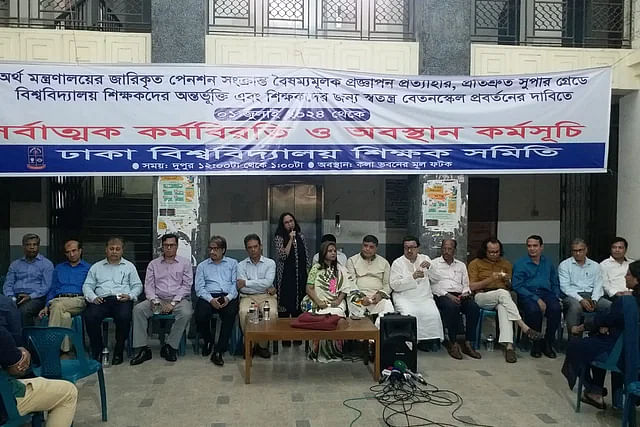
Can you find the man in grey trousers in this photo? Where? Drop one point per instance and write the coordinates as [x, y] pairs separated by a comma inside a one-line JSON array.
[[167, 287]]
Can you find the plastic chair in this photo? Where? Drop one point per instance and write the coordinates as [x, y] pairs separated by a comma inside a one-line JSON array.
[[182, 349], [47, 341], [76, 324], [629, 414], [105, 335], [14, 419], [610, 363], [484, 314]]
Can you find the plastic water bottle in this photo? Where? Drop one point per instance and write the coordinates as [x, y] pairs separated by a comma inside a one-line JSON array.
[[105, 358], [490, 343], [266, 310], [252, 313]]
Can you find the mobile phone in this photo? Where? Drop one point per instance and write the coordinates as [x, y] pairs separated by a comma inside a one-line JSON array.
[[221, 300]]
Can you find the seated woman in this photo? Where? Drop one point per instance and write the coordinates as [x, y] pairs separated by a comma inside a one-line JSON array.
[[327, 286], [606, 327]]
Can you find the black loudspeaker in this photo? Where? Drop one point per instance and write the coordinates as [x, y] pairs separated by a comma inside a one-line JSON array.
[[398, 341]]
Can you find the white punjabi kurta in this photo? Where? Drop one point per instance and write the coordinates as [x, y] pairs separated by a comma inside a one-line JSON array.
[[413, 297]]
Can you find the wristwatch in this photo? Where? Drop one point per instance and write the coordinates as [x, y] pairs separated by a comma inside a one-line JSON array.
[[173, 303]]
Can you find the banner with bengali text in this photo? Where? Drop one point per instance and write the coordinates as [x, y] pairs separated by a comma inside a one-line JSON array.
[[199, 119]]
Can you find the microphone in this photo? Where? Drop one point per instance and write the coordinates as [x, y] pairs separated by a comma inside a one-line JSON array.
[[402, 367], [386, 373]]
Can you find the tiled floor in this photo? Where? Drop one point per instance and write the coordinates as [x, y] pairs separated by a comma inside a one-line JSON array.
[[291, 391]]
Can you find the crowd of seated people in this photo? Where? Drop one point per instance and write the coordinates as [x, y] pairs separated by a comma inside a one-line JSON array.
[[435, 291]]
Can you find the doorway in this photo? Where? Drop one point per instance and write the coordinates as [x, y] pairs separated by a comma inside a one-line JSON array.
[[305, 202]]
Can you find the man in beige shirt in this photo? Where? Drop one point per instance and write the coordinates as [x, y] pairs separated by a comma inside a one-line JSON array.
[[370, 272]]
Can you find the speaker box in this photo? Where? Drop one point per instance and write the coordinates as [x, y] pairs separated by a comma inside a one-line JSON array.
[[398, 341]]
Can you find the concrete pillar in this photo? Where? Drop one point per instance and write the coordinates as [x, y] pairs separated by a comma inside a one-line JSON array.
[[426, 229], [443, 32], [628, 178], [178, 36]]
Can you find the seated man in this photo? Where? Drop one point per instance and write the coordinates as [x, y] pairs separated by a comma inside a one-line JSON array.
[[111, 287], [168, 285], [490, 280], [65, 298], [370, 273], [29, 279], [256, 274], [581, 283], [615, 267], [57, 397], [536, 282], [216, 281], [450, 285], [342, 258], [412, 292]]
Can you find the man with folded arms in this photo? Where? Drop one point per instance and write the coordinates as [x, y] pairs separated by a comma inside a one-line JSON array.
[[450, 285], [111, 287], [29, 279], [615, 268], [256, 274], [65, 298], [581, 282], [216, 281], [167, 284]]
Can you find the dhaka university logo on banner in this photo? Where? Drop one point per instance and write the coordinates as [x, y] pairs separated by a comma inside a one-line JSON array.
[[35, 158]]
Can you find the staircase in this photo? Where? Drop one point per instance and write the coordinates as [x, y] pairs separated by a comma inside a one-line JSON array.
[[126, 217]]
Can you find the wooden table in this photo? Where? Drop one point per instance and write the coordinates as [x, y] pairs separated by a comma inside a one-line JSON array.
[[281, 330]]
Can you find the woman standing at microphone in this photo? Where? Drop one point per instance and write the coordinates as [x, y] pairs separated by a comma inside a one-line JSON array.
[[292, 264]]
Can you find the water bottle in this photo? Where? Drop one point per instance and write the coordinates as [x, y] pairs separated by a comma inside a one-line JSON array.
[[105, 358], [490, 343], [267, 310], [252, 313]]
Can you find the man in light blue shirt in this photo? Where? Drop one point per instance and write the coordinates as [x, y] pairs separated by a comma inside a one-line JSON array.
[[255, 284], [581, 284], [110, 288], [215, 285], [29, 279]]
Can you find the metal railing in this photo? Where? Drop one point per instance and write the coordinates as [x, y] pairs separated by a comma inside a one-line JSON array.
[[346, 19], [573, 23], [112, 186], [99, 15], [72, 199]]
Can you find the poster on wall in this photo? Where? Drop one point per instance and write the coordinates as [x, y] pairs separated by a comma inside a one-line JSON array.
[[178, 210], [441, 205], [199, 119]]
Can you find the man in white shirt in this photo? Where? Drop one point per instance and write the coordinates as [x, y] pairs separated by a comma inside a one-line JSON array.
[[412, 292], [450, 285], [255, 285], [370, 272], [342, 258], [615, 267]]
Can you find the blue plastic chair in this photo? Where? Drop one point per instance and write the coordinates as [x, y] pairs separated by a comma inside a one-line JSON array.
[[629, 414], [182, 349], [484, 314], [608, 362], [14, 419], [47, 341]]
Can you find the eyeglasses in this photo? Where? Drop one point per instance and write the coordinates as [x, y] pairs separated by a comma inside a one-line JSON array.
[[214, 248], [169, 245], [578, 250]]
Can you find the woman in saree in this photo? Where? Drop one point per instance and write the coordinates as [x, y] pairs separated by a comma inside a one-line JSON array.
[[328, 285]]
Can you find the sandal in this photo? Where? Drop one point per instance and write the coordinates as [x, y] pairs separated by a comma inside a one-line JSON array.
[[589, 401], [534, 335]]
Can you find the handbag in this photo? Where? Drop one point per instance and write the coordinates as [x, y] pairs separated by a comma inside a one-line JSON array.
[[320, 322]]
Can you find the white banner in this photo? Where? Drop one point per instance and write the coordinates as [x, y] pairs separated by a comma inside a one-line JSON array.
[[196, 119]]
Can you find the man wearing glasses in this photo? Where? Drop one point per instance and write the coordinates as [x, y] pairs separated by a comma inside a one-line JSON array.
[[581, 283], [412, 295], [167, 286], [216, 280]]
